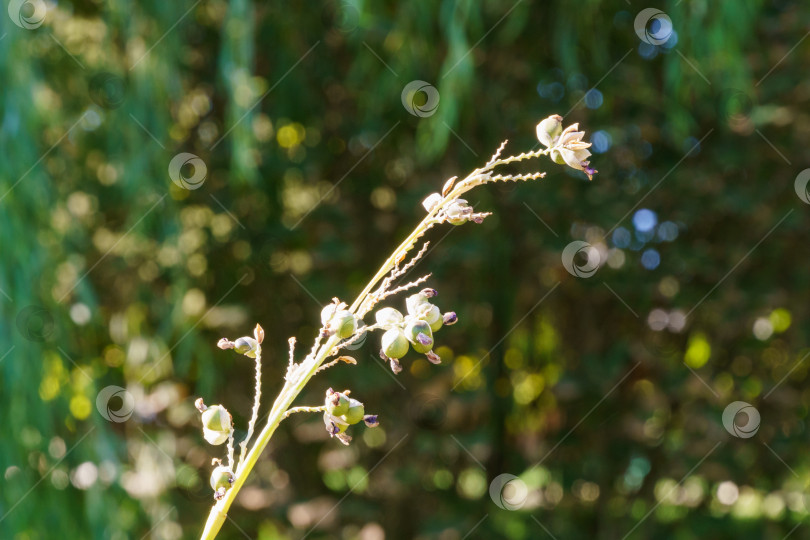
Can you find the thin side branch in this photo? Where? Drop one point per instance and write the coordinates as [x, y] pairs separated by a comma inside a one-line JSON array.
[[339, 359], [401, 271], [519, 157], [516, 177], [256, 402], [291, 364], [294, 410], [316, 345], [230, 450], [402, 288], [396, 272], [497, 153], [361, 333]]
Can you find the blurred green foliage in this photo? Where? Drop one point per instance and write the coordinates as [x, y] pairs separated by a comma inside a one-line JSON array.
[[604, 395]]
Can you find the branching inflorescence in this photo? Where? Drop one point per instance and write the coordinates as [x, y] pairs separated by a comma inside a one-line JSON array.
[[343, 325]]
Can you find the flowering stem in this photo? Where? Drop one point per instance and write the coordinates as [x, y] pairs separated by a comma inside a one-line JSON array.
[[298, 378]]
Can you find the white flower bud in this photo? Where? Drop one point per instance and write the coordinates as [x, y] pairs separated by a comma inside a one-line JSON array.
[[247, 346], [458, 212], [338, 320], [433, 316], [431, 201], [387, 316], [415, 302], [394, 343], [344, 324], [217, 424], [221, 479], [549, 130], [336, 403], [355, 413]]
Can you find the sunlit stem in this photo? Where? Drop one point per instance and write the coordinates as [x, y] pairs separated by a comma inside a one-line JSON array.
[[295, 384]]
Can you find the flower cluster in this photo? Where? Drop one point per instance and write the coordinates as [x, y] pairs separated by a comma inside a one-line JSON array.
[[341, 411], [413, 330], [567, 146], [457, 212]]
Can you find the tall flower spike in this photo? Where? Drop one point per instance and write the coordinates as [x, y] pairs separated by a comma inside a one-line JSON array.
[[340, 322]]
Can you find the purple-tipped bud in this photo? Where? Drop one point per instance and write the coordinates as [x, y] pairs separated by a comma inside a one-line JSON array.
[[344, 437], [200, 405], [430, 293], [450, 318], [433, 358], [331, 427], [424, 339], [478, 218], [225, 343], [371, 420], [396, 367]]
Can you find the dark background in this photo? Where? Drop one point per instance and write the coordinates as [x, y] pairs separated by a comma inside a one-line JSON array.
[[614, 384]]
